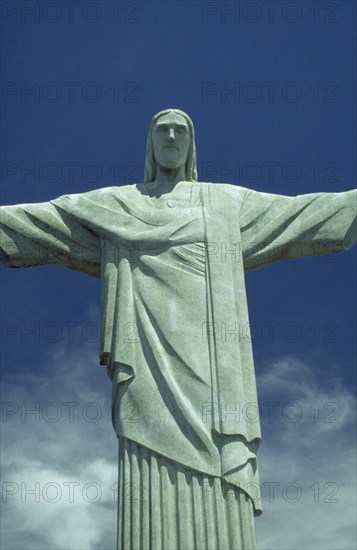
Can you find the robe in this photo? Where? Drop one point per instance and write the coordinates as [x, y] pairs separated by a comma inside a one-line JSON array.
[[173, 302]]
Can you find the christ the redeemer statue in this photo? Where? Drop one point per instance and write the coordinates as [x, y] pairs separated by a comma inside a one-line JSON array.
[[171, 253]]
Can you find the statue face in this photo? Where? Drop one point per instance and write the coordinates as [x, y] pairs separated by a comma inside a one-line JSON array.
[[171, 140]]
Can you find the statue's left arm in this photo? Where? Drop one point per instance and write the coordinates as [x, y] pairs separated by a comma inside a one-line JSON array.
[[277, 227]]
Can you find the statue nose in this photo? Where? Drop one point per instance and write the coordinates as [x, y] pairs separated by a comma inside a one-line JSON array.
[[171, 135]]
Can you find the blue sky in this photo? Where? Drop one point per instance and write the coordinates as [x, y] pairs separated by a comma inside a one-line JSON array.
[[271, 92]]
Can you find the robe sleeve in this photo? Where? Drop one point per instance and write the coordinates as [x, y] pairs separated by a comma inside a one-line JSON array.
[[42, 234], [276, 227]]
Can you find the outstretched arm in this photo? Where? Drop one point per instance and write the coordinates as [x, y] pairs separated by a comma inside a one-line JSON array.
[[42, 233], [276, 227]]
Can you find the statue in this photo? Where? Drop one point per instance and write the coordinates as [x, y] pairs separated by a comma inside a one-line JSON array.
[[171, 253]]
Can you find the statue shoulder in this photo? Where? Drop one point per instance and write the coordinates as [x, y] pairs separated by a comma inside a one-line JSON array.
[[102, 194], [122, 190]]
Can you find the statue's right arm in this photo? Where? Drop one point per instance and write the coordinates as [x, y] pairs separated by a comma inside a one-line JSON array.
[[42, 233]]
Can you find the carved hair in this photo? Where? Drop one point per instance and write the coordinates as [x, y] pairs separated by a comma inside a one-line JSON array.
[[191, 162]]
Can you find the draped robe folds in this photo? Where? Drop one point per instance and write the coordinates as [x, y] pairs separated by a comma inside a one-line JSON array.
[[174, 302]]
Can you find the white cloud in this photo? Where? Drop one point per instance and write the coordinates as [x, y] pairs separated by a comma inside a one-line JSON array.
[[309, 450], [58, 477]]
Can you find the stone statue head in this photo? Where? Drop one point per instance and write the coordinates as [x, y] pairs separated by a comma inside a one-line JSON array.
[[191, 162]]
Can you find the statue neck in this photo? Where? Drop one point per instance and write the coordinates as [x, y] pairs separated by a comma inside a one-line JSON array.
[[168, 177]]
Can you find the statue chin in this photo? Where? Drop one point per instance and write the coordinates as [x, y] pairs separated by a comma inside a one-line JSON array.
[[171, 164]]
